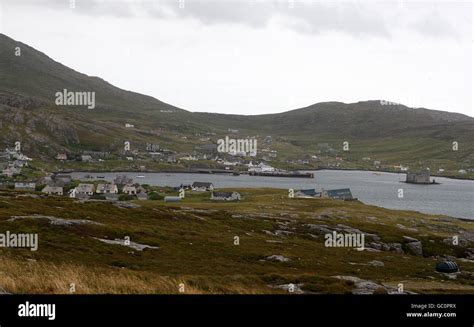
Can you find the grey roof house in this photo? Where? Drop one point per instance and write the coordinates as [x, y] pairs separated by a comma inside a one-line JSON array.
[[53, 190], [107, 188], [202, 186], [25, 186], [225, 196]]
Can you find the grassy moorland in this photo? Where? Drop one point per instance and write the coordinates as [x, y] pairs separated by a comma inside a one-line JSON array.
[[197, 248]]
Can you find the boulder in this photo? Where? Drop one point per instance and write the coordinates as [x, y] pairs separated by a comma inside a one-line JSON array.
[[278, 258], [415, 248], [376, 263], [409, 239]]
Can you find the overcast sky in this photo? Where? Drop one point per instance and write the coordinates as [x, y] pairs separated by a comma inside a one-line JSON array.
[[254, 56]]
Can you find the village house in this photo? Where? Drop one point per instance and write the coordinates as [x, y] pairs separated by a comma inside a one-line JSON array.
[[310, 193], [202, 186], [338, 194], [106, 188], [260, 168], [225, 196], [83, 189], [86, 158], [10, 171], [150, 147], [189, 158], [53, 190], [129, 189], [61, 157], [25, 186]]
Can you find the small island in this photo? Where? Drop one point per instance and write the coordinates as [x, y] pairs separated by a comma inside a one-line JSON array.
[[422, 177]]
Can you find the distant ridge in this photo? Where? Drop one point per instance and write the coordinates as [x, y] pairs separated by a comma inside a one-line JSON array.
[[27, 112]]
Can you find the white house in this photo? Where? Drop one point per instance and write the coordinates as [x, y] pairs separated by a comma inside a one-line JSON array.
[[261, 168], [83, 189], [107, 188], [129, 189], [25, 186], [53, 190]]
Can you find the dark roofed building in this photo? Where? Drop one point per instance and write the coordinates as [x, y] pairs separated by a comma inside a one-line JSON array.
[[226, 196], [339, 194], [202, 186]]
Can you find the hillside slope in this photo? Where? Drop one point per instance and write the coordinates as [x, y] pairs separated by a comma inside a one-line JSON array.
[[28, 113]]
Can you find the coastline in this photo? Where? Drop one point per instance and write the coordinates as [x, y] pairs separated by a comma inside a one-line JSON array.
[[229, 172]]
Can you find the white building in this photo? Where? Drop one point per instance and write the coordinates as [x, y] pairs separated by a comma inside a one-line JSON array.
[[260, 168], [107, 188], [53, 190]]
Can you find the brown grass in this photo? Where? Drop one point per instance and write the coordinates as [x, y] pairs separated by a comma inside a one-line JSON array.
[[32, 277]]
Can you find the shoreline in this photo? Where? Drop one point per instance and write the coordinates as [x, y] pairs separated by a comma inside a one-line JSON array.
[[230, 172], [387, 171]]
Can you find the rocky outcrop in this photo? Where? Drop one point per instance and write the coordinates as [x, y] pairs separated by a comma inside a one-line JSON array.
[[130, 244], [376, 263], [56, 221], [381, 246], [362, 286], [413, 246], [278, 258]]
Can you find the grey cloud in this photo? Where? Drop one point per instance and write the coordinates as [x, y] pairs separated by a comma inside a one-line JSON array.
[[355, 18]]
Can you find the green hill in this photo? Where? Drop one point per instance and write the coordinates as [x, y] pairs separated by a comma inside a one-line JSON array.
[[393, 134]]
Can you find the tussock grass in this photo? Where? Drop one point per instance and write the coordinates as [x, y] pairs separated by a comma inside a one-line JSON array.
[[196, 246]]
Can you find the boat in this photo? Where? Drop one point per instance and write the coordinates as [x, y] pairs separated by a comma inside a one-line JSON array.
[[140, 176]]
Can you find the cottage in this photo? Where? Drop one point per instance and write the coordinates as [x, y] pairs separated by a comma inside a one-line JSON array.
[[260, 168], [107, 188], [311, 193], [10, 171], [86, 158], [225, 196], [338, 194], [61, 157], [202, 186], [53, 190], [84, 189], [25, 186], [129, 189]]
